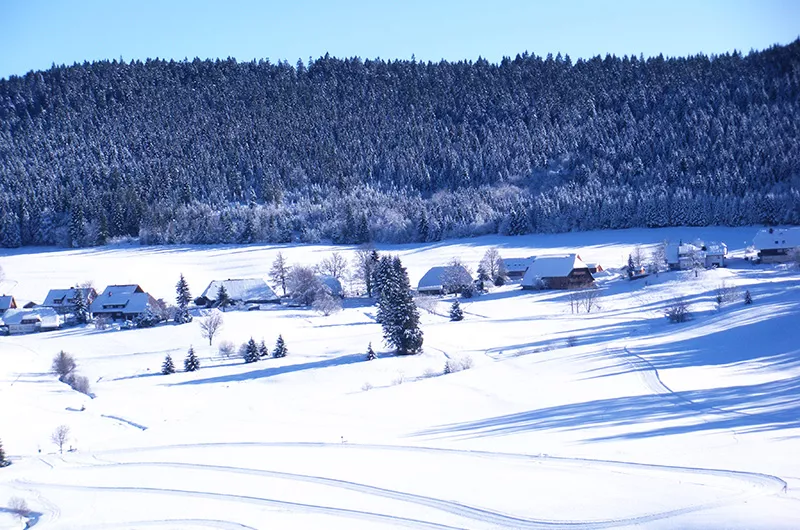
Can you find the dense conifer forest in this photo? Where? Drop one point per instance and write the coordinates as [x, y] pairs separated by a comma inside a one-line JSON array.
[[353, 150]]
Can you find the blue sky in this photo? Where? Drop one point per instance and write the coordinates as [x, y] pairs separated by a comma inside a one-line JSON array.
[[36, 33]]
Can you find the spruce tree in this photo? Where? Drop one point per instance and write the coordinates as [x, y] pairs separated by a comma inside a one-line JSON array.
[[223, 300], [371, 353], [251, 353], [748, 299], [280, 348], [397, 312], [2, 455], [168, 367], [630, 266], [456, 313], [191, 363], [80, 310], [183, 297], [263, 352]]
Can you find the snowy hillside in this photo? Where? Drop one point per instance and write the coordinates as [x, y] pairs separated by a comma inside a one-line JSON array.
[[610, 419]]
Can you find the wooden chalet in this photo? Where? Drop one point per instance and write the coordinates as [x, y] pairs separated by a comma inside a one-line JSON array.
[[775, 245], [558, 272], [122, 302]]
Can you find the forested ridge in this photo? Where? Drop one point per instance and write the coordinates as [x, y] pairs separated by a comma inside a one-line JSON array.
[[355, 150]]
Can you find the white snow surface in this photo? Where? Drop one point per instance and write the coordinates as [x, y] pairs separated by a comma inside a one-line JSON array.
[[613, 419]]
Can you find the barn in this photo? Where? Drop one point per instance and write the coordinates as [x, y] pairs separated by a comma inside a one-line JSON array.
[[557, 272]]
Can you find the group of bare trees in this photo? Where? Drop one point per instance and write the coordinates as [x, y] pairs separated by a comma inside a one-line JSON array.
[[64, 366], [584, 300]]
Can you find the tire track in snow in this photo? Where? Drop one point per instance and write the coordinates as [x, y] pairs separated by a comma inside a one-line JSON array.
[[210, 523], [758, 483], [249, 499]]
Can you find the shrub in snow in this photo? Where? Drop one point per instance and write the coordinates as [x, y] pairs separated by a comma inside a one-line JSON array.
[[168, 367], [191, 363], [148, 319], [366, 386], [63, 365], [678, 311], [19, 507], [226, 349], [280, 348], [430, 372], [452, 366], [81, 384], [400, 379], [326, 303], [101, 323]]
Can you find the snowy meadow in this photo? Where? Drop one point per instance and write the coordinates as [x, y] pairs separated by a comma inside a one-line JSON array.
[[615, 418]]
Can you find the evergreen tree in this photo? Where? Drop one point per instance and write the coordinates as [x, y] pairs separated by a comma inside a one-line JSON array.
[[748, 299], [371, 353], [3, 461], [280, 348], [263, 352], [191, 363], [630, 266], [279, 273], [80, 310], [397, 312], [251, 353], [168, 367], [102, 230], [183, 298], [456, 312], [223, 300]]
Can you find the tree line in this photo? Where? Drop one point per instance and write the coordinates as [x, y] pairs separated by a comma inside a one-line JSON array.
[[353, 150]]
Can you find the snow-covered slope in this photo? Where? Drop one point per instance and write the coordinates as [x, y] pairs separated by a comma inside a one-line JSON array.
[[610, 419]]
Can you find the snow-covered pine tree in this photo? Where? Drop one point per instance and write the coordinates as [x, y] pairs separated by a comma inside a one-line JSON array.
[[191, 363], [263, 351], [223, 299], [371, 353], [183, 297], [80, 311], [748, 299], [2, 455], [397, 311], [280, 348], [630, 266], [251, 351], [456, 313], [279, 273], [168, 367]]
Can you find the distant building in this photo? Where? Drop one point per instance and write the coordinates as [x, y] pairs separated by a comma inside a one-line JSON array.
[[63, 300], [6, 303], [122, 302], [516, 267], [332, 285], [594, 268], [444, 280], [716, 254], [21, 321], [684, 256], [775, 245], [557, 272], [240, 291]]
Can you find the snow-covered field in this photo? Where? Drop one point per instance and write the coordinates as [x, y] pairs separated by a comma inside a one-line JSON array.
[[608, 420]]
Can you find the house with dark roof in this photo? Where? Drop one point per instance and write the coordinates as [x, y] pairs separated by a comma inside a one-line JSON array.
[[241, 291], [63, 300], [557, 272], [122, 302], [444, 280], [516, 267], [776, 245]]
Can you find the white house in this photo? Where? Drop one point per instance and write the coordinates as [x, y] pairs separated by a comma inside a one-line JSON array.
[[444, 280], [775, 245], [122, 302], [716, 254], [19, 321], [516, 267], [557, 272], [242, 291]]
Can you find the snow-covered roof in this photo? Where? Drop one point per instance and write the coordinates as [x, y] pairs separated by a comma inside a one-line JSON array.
[[248, 290], [433, 279], [121, 299], [675, 251], [47, 316], [552, 267], [518, 264], [774, 238], [717, 249], [65, 297], [333, 285], [7, 302]]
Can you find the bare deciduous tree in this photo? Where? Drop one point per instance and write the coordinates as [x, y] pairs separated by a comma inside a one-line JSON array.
[[334, 265], [19, 507], [677, 311], [494, 265], [584, 300], [279, 273], [455, 277], [364, 264], [638, 257], [210, 325], [60, 437], [326, 303], [304, 286]]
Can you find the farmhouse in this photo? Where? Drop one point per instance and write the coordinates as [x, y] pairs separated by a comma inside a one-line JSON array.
[[557, 272], [63, 300], [122, 302], [331, 284], [19, 321], [6, 303], [241, 291], [683, 256], [775, 245], [516, 267], [444, 280]]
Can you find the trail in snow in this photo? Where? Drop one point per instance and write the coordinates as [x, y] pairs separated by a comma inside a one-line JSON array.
[[208, 523], [126, 422]]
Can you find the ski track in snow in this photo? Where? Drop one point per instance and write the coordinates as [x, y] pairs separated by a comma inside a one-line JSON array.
[[209, 523], [126, 422], [755, 484]]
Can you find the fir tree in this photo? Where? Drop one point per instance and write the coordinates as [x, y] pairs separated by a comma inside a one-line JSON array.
[[280, 348], [168, 367], [630, 266], [371, 353], [397, 312], [183, 297], [191, 363], [251, 353], [279, 273], [748, 299], [223, 300], [456, 313], [2, 454], [263, 352], [80, 310]]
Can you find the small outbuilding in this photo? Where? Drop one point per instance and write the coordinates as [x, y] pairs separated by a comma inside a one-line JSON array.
[[331, 284], [241, 291], [775, 245], [444, 280], [516, 267], [21, 321], [557, 272]]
